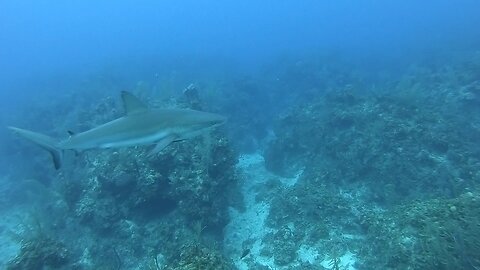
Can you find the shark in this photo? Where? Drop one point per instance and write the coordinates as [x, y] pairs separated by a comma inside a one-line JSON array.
[[140, 126]]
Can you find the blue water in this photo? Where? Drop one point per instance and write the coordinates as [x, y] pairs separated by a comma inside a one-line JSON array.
[[374, 101], [42, 39]]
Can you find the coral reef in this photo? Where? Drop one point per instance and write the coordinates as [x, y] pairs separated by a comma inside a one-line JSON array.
[[132, 195], [187, 177], [128, 204], [395, 168], [432, 234], [399, 144], [195, 257], [41, 252]]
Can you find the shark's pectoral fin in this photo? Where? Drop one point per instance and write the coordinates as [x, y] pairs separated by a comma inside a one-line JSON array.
[[162, 144], [57, 158]]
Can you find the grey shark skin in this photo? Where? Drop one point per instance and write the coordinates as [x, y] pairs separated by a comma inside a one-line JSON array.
[[139, 126]]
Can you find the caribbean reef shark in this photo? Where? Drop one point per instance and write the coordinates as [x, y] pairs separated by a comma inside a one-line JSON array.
[[139, 126]]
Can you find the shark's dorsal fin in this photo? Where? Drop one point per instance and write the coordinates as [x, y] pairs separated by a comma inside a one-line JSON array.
[[132, 104]]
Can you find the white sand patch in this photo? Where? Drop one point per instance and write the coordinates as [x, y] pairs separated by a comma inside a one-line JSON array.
[[249, 225], [246, 230], [307, 254]]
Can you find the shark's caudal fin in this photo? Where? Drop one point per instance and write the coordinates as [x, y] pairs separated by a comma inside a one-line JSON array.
[[43, 141]]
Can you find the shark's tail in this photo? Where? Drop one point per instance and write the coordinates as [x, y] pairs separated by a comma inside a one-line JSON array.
[[43, 141]]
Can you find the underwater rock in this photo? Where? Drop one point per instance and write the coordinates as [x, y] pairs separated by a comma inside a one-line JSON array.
[[192, 181]]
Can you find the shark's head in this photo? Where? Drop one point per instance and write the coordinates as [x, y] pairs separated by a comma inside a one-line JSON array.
[[196, 122], [208, 120]]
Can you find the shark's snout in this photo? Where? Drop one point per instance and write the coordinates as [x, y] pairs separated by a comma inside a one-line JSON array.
[[220, 120], [216, 119], [208, 119]]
